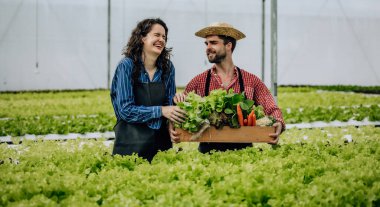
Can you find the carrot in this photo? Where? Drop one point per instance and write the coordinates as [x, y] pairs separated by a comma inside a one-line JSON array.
[[239, 113], [250, 117], [253, 119], [245, 122]]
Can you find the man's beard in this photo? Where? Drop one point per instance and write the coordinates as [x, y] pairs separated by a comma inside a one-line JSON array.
[[218, 58]]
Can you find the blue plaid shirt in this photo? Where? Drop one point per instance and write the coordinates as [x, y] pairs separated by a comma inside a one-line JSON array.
[[122, 96]]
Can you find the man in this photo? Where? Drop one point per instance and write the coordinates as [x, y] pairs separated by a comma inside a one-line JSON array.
[[220, 43]]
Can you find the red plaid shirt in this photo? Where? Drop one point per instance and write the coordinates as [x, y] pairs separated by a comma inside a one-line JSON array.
[[254, 89]]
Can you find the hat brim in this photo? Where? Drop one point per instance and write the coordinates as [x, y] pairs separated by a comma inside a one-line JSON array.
[[227, 31]]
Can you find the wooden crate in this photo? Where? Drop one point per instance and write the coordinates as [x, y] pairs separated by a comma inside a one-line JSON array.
[[245, 134]]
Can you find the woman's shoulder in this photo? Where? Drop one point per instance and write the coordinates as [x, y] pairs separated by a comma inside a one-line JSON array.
[[171, 65], [171, 68], [125, 64], [126, 61]]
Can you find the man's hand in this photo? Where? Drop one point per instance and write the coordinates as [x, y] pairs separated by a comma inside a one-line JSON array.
[[276, 135], [174, 135], [174, 113], [179, 97]]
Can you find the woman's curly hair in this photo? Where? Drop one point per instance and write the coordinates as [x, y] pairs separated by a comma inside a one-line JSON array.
[[134, 48]]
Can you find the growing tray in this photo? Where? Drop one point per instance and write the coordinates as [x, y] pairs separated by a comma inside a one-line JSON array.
[[245, 134]]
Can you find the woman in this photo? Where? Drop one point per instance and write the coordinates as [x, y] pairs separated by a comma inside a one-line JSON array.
[[142, 91]]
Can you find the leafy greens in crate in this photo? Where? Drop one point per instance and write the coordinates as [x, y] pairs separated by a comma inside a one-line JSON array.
[[219, 109]]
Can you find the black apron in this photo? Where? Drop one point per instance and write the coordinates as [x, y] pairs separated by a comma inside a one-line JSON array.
[[206, 147], [138, 137]]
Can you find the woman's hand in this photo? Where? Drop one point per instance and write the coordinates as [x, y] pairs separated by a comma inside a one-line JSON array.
[[173, 113], [174, 135], [276, 135], [179, 97]]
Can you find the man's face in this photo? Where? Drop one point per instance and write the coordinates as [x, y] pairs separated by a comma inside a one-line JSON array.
[[215, 49]]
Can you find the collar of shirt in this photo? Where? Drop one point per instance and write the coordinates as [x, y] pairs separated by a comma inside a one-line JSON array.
[[144, 76], [219, 80]]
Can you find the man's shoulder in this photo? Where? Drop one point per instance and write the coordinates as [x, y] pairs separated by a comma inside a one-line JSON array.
[[202, 75], [248, 74], [197, 83]]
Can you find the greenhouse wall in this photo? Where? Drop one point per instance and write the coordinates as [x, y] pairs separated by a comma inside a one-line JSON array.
[[62, 44]]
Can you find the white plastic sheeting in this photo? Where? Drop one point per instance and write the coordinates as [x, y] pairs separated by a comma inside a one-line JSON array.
[[62, 44], [53, 44]]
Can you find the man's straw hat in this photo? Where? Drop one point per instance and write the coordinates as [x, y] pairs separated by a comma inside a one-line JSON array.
[[220, 28]]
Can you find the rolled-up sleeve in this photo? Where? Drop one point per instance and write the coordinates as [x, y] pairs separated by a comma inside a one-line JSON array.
[[262, 96]]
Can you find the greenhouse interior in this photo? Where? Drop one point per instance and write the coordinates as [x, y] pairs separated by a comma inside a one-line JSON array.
[[149, 103]]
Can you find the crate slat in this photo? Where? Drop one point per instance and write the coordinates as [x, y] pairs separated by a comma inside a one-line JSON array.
[[245, 134]]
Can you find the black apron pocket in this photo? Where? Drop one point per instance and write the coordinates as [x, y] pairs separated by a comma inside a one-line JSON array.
[[134, 138]]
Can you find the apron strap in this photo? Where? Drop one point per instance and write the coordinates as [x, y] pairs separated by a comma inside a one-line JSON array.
[[241, 82], [208, 79]]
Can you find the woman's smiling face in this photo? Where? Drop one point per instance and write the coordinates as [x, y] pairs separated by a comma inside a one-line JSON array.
[[155, 40]]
